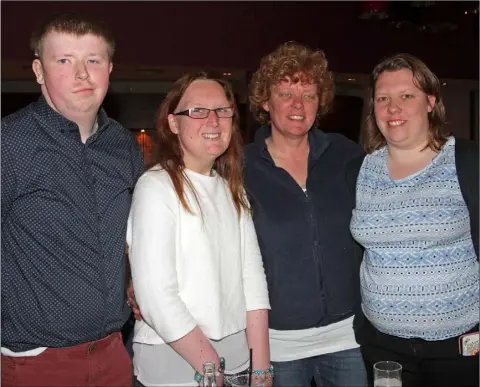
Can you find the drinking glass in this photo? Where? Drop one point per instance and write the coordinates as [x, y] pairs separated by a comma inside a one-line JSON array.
[[387, 374]]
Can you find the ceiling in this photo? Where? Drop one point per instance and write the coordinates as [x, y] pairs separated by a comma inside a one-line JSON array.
[[160, 40]]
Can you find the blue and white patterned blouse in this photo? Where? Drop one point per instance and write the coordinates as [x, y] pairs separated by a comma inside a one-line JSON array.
[[420, 275]]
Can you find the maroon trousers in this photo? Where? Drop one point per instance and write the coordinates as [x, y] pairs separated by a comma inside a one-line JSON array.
[[102, 363]]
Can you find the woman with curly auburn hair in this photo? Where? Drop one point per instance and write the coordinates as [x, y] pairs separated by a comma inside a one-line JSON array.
[[416, 215], [196, 267], [291, 60], [295, 180]]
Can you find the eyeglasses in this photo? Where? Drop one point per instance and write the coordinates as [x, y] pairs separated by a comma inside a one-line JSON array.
[[198, 113]]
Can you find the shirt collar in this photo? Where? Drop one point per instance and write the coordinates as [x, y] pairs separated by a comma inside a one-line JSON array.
[[95, 126], [57, 122]]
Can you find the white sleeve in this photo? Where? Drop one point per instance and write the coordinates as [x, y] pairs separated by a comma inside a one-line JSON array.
[[254, 280], [152, 254]]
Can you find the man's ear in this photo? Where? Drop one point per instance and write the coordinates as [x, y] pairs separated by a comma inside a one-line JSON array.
[[110, 68], [38, 71]]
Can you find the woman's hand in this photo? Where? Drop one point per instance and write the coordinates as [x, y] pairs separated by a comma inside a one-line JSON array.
[[265, 380], [220, 379], [132, 302]]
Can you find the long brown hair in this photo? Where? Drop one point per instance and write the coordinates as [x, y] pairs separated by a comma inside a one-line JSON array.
[[371, 137], [170, 155]]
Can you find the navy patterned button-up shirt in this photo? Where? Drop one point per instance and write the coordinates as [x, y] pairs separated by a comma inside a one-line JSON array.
[[64, 214]]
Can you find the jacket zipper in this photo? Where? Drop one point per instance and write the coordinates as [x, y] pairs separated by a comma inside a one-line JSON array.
[[315, 249]]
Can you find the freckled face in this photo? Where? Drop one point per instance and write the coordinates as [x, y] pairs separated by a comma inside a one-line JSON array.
[[293, 107]]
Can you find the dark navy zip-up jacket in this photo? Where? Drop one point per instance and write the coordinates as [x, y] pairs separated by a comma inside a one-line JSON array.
[[311, 261]]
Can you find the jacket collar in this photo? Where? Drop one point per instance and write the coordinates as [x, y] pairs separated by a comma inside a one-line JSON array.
[[318, 141]]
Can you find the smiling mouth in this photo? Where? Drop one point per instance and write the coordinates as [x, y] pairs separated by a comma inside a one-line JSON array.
[[211, 136], [396, 123], [296, 117], [83, 91]]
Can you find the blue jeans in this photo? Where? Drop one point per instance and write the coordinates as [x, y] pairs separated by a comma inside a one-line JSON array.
[[339, 369], [226, 381]]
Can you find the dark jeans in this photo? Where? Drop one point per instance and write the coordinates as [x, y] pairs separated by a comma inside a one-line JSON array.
[[424, 363], [339, 369], [225, 382]]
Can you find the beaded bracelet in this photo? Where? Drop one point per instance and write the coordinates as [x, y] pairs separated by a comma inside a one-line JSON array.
[[268, 371], [198, 376]]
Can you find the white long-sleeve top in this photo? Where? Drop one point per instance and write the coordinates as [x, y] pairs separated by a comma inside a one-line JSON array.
[[187, 270]]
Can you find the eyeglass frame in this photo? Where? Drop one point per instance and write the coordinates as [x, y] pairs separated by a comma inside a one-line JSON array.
[[187, 112]]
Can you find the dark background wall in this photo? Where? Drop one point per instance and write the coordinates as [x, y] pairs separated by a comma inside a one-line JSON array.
[[238, 34], [235, 35], [137, 111]]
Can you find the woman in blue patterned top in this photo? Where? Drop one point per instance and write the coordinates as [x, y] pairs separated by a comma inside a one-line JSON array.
[[416, 215]]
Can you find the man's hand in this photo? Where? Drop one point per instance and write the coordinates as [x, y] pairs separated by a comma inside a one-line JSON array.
[[132, 302]]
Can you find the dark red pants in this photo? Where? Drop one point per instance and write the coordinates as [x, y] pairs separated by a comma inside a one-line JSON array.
[[99, 363]]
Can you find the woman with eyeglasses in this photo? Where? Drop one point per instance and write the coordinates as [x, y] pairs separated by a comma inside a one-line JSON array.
[[196, 267]]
